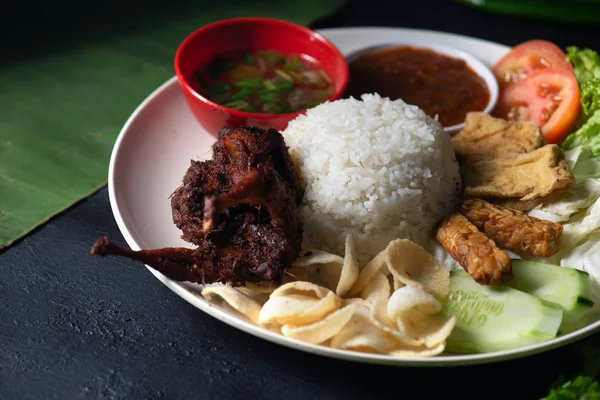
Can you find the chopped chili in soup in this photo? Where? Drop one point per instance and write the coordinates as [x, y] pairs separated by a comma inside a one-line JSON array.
[[264, 82]]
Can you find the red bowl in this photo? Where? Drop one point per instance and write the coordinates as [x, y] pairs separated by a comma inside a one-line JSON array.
[[251, 34]]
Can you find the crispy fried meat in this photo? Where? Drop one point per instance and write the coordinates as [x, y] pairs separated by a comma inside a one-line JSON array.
[[239, 209]]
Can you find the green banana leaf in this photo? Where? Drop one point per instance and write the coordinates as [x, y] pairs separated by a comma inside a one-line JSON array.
[[62, 108], [574, 12]]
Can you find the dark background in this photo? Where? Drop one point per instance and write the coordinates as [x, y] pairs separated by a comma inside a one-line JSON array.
[[74, 326]]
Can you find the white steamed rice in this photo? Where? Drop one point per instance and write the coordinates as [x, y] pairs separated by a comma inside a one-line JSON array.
[[376, 169]]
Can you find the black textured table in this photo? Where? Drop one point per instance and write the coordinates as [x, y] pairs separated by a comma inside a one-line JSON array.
[[75, 326]]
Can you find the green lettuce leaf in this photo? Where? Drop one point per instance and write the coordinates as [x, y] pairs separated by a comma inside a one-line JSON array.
[[580, 388], [586, 66], [586, 63], [590, 97], [579, 209], [587, 135]]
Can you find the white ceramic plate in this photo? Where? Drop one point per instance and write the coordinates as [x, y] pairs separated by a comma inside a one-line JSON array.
[[154, 150]]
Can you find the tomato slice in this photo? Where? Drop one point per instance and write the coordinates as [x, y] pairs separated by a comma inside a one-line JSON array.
[[527, 58], [547, 97]]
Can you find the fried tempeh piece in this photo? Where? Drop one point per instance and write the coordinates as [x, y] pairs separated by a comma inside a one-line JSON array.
[[526, 177], [487, 137], [513, 229], [475, 252]]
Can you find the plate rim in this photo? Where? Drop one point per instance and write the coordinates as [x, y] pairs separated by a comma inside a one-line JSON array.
[[256, 331]]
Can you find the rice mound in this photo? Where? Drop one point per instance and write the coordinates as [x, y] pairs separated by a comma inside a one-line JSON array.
[[376, 169]]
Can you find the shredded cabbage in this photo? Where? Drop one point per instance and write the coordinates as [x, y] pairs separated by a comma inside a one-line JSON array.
[[579, 212]]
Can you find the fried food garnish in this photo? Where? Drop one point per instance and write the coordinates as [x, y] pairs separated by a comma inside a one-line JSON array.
[[487, 137], [474, 251], [526, 177], [240, 210], [509, 162], [513, 229]]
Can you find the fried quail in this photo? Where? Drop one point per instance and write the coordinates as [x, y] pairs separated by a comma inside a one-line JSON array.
[[240, 210], [512, 229], [474, 251]]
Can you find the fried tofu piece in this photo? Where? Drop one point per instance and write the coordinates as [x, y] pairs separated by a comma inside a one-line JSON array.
[[487, 137], [509, 162], [526, 177], [512, 229], [474, 251], [516, 204]]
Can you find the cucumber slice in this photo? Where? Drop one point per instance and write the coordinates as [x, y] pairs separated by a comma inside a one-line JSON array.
[[567, 287], [496, 318]]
